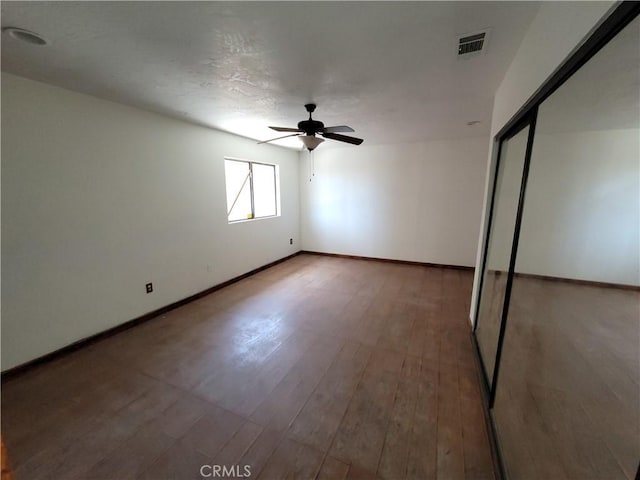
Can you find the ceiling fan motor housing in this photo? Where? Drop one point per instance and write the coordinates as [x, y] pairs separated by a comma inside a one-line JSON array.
[[311, 127]]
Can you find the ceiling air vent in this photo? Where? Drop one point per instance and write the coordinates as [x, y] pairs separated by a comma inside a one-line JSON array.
[[472, 44]]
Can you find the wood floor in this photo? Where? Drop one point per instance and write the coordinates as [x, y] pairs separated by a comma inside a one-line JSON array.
[[317, 368], [570, 382]]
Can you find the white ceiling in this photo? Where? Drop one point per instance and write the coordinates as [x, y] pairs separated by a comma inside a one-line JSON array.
[[388, 69]]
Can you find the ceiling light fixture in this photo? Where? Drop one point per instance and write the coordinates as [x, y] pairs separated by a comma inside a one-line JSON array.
[[25, 36], [308, 129], [311, 141]]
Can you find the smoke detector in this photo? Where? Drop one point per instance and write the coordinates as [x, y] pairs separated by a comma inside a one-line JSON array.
[[473, 44]]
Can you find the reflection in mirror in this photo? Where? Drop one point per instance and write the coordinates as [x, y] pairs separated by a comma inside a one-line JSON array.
[[500, 239], [568, 397]]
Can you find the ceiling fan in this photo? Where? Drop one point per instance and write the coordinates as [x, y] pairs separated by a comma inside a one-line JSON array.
[[307, 130]]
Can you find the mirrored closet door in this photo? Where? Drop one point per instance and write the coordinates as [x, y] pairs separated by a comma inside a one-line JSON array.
[[558, 317], [502, 223], [570, 363]]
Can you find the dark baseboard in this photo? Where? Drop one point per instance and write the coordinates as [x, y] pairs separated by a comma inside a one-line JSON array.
[[496, 457], [590, 283], [575, 281], [13, 372], [390, 260]]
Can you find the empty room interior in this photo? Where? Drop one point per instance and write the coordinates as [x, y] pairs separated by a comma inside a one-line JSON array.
[[320, 240]]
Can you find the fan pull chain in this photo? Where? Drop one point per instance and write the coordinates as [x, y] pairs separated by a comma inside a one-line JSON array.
[[312, 165]]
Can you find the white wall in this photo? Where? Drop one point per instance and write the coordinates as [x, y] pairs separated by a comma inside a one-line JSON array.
[[582, 211], [556, 31], [418, 202], [100, 198], [581, 217]]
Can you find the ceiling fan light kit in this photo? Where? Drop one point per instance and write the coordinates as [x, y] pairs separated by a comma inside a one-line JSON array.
[[307, 130], [310, 141]]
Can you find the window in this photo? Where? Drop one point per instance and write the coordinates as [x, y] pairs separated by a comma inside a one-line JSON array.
[[251, 189]]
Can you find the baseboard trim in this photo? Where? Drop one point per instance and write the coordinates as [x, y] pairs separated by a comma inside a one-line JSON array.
[[389, 260], [496, 457], [18, 370], [575, 281], [589, 283]]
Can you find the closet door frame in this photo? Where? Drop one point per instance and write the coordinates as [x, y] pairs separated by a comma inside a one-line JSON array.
[[620, 15], [527, 121]]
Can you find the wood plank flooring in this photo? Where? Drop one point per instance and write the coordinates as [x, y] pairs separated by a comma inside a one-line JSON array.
[[570, 382], [317, 368]]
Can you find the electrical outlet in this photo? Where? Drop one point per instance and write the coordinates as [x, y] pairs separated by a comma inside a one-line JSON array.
[[291, 241], [149, 287]]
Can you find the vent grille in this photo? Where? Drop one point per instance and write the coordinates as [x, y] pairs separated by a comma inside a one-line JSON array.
[[471, 43]]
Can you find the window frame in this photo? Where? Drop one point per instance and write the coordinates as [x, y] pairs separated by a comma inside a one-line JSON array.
[[276, 189]]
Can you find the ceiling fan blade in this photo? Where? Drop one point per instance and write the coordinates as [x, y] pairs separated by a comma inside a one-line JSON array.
[[278, 138], [343, 138], [338, 128], [285, 129]]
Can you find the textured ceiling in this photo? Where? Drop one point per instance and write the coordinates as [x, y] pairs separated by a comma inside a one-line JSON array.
[[388, 69]]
